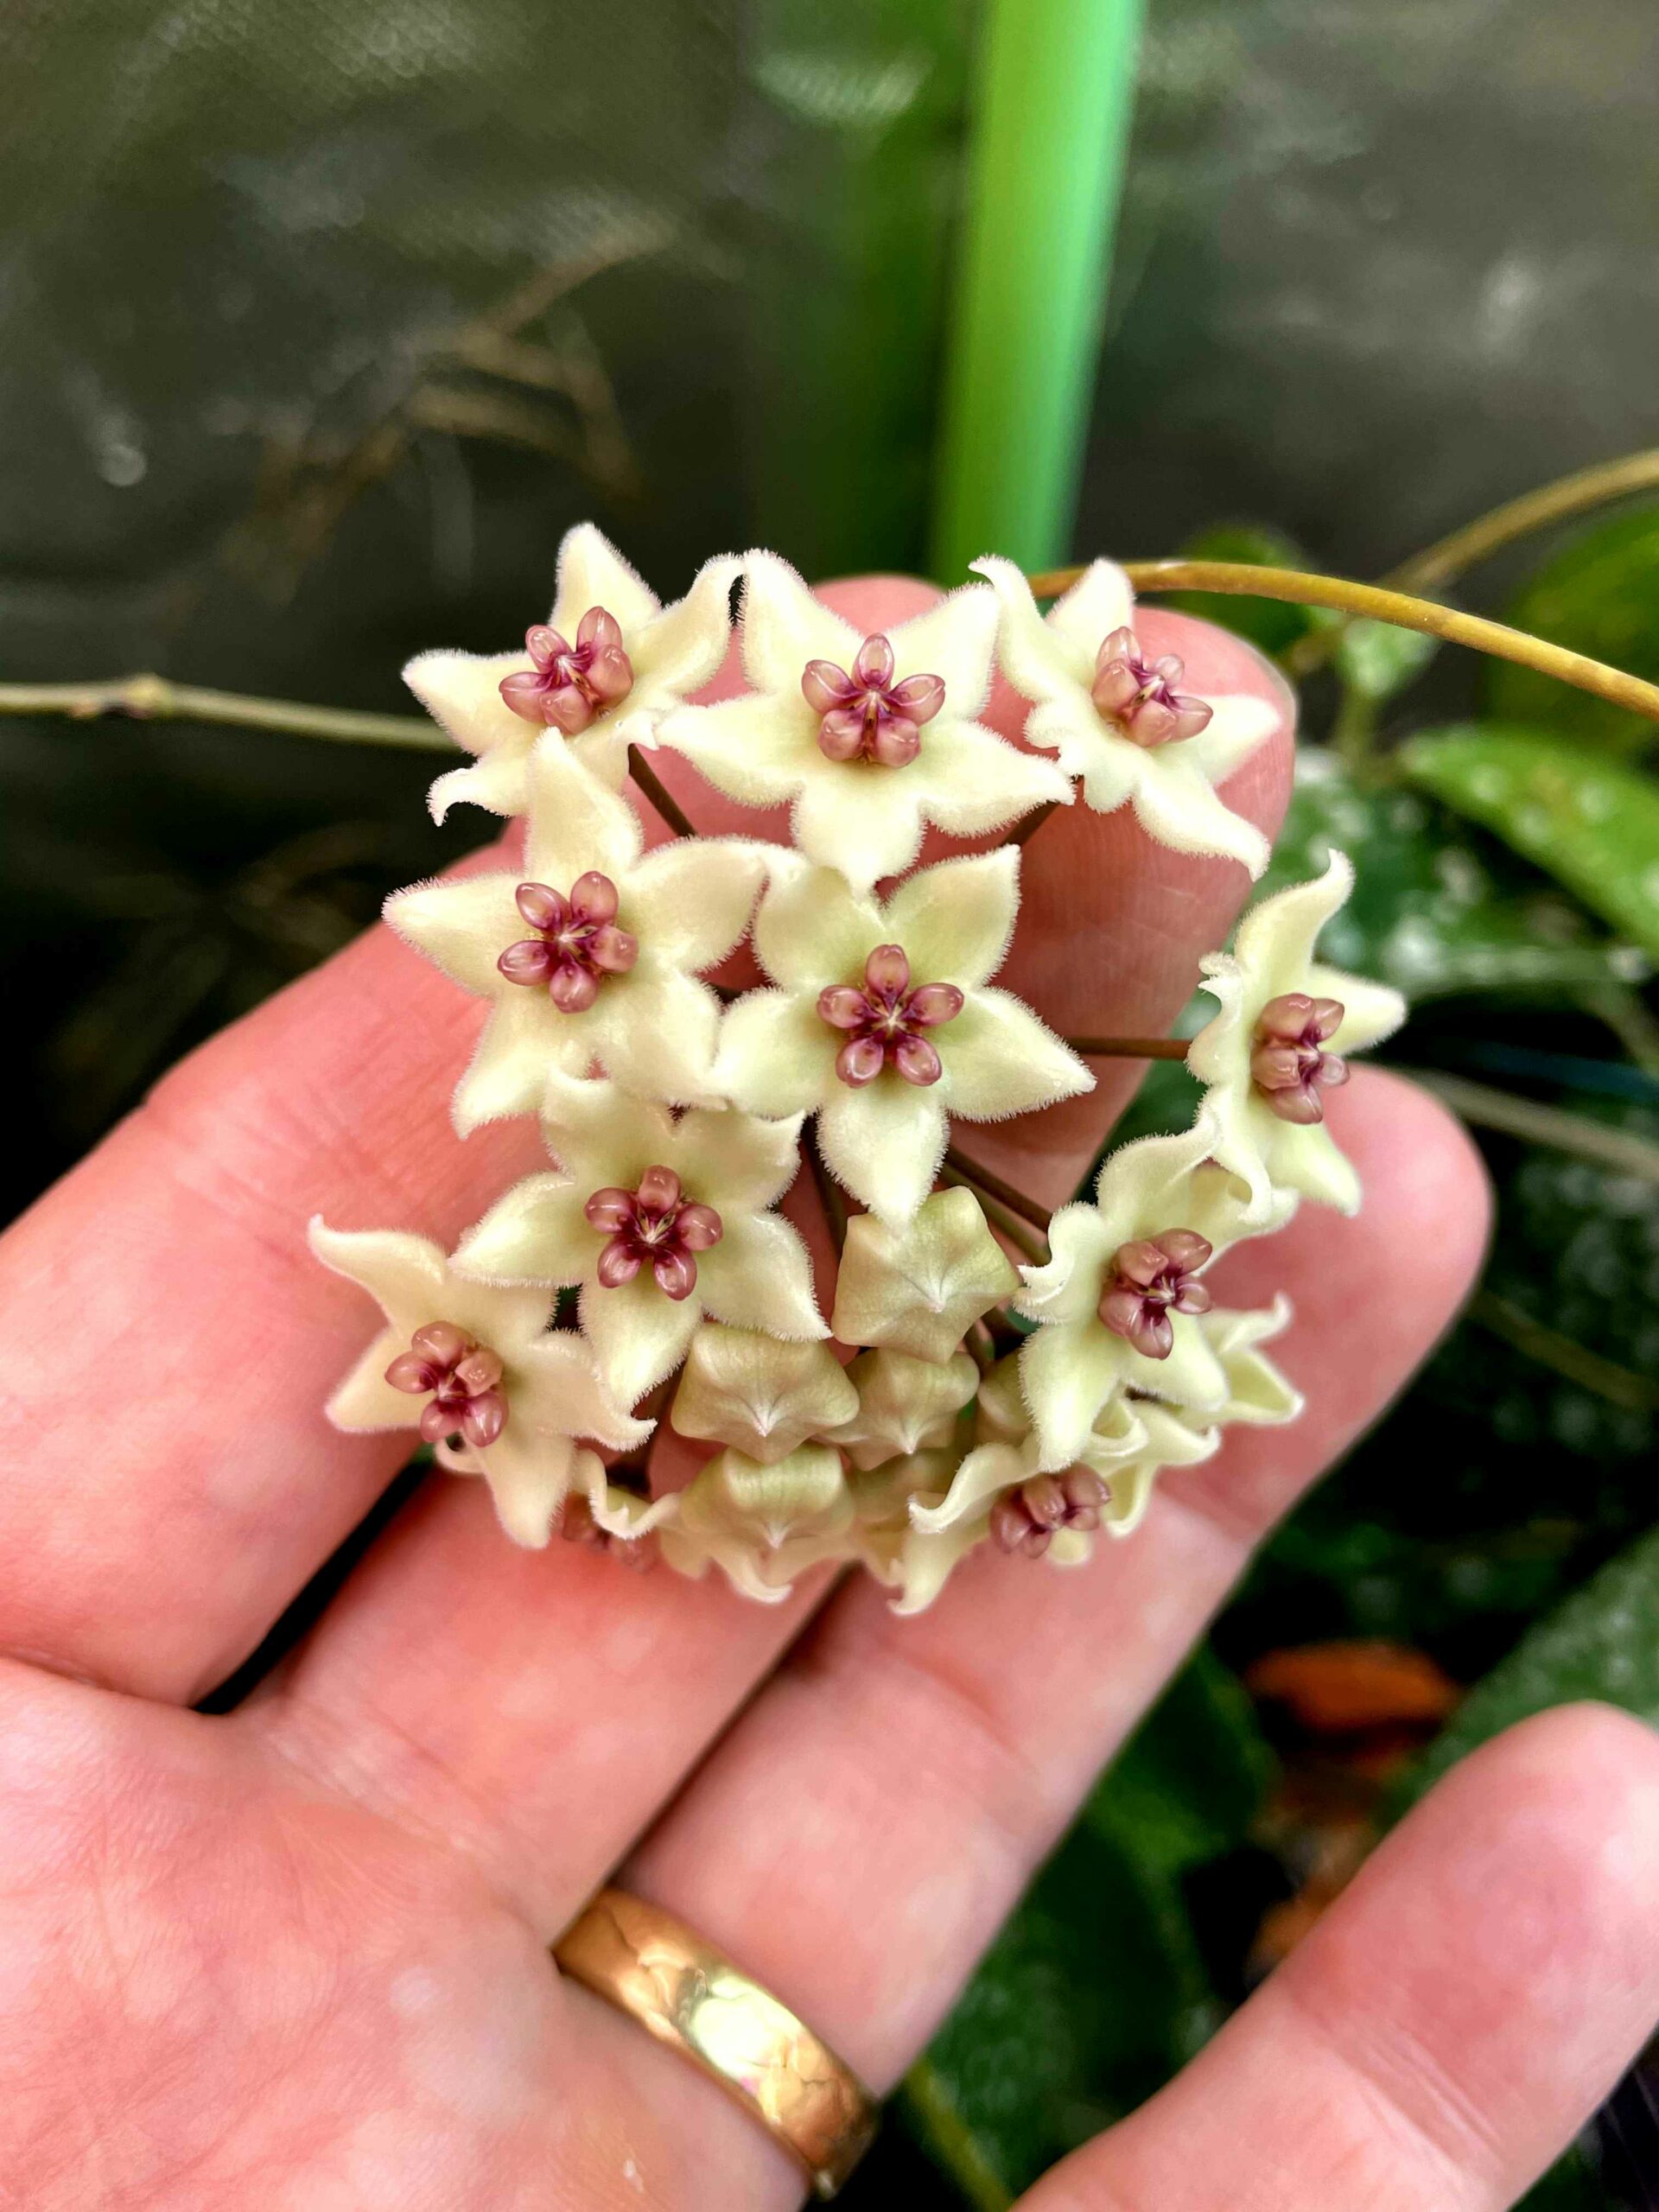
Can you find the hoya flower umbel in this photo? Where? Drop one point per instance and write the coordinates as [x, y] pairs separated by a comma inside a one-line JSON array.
[[1121, 721], [596, 677], [659, 1221], [655, 1226], [618, 937], [867, 713], [882, 1021], [886, 1019], [867, 739], [568, 685], [1279, 1044], [475, 1369]]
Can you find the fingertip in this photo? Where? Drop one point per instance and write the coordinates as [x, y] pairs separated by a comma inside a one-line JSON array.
[[878, 603]]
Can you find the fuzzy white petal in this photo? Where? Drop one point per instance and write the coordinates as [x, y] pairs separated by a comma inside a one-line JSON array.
[[637, 1334], [955, 640], [1041, 664], [884, 1143], [679, 649], [1175, 804], [775, 1056], [463, 926], [742, 1160], [575, 821], [592, 573], [754, 748], [1100, 601], [524, 1037], [535, 1233], [859, 817], [999, 1060], [813, 929], [954, 919], [783, 627], [500, 783], [759, 1276], [654, 1031], [973, 780]]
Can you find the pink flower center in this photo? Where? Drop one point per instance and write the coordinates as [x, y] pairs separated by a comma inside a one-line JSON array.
[[462, 1379], [655, 1226], [1150, 1279], [1289, 1065], [569, 686], [576, 943], [1025, 1520], [866, 716], [1140, 695], [884, 1020]]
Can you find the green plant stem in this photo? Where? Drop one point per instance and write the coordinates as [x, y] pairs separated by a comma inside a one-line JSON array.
[[1486, 1107], [1051, 109], [1564, 1356], [1301, 588], [1477, 541], [156, 698]]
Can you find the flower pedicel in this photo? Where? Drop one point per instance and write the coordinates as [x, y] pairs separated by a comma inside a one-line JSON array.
[[1020, 1409]]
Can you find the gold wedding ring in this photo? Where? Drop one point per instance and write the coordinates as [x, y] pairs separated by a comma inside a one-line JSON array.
[[690, 1996]]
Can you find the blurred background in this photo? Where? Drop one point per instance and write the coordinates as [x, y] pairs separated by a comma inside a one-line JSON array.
[[320, 320]]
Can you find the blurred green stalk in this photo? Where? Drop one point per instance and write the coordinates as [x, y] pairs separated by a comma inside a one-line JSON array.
[[851, 185], [1053, 106]]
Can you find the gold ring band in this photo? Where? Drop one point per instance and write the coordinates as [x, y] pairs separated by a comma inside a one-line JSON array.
[[689, 1995]]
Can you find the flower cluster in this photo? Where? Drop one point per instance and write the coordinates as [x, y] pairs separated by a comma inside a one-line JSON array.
[[952, 1398]]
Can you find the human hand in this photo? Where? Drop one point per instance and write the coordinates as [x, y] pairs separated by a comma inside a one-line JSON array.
[[298, 1957]]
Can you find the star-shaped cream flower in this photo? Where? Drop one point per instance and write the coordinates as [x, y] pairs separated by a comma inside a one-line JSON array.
[[919, 1289], [660, 1221], [590, 950], [1279, 1042], [1258, 1396], [758, 1396], [1118, 1303], [882, 1022], [761, 1525], [905, 1405], [596, 677], [867, 738], [1119, 722], [475, 1370]]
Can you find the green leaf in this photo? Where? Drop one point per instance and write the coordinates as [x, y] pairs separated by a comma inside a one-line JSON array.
[[1600, 596], [1097, 1990], [1379, 658], [1597, 1643], [1591, 823], [1271, 624], [1434, 912]]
